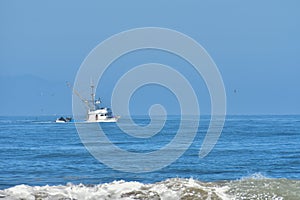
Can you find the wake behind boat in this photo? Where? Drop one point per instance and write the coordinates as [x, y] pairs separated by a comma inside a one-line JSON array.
[[95, 113]]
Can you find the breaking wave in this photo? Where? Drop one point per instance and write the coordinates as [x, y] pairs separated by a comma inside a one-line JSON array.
[[253, 187]]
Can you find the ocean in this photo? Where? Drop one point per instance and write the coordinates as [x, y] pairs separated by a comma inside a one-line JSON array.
[[256, 157]]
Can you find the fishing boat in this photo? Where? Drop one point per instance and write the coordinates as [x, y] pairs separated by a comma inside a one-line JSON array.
[[95, 113]]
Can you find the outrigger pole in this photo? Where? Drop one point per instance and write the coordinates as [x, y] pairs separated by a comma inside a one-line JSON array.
[[86, 102]]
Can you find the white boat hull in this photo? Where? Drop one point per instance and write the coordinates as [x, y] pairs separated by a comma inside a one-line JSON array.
[[59, 121], [103, 120], [113, 119]]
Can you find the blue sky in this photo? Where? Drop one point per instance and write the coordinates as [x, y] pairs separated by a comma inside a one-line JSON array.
[[255, 45]]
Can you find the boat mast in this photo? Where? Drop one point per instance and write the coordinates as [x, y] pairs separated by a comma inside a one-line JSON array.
[[93, 95]]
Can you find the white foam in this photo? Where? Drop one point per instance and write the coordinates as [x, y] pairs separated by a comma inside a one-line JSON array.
[[169, 189]]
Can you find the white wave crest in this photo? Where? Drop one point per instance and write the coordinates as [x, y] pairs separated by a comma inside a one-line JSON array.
[[253, 187], [168, 189]]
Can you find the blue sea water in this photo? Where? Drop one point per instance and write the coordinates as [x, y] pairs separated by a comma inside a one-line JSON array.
[[36, 151]]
